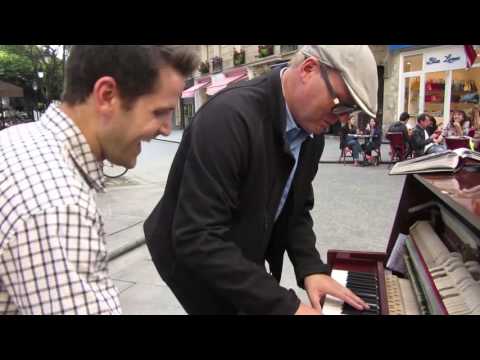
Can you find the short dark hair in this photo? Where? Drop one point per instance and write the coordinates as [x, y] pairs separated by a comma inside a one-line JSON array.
[[135, 68], [422, 117], [404, 116]]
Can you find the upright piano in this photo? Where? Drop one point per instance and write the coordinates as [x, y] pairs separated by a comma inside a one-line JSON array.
[[432, 262]]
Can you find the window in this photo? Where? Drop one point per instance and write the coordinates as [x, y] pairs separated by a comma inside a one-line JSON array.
[[413, 63], [412, 95], [217, 51], [204, 52], [435, 94], [465, 90], [288, 48]]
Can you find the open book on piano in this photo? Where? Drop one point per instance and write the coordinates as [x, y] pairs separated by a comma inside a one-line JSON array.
[[432, 261], [447, 161]]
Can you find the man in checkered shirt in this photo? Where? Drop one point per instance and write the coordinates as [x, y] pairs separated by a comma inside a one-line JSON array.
[[53, 257]]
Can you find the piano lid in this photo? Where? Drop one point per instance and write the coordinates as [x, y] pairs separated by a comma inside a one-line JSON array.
[[461, 191]]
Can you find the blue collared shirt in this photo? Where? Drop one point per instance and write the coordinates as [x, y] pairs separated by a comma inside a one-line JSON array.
[[295, 137]]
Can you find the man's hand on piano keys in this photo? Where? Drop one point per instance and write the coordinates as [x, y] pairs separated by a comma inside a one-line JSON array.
[[318, 285]]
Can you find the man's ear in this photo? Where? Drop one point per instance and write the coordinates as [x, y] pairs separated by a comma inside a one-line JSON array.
[[309, 65], [105, 94]]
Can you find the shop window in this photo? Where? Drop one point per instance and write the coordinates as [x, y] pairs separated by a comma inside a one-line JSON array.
[[412, 95], [435, 95], [465, 90], [413, 63]]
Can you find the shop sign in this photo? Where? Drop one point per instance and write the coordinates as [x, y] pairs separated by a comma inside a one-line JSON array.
[[444, 59]]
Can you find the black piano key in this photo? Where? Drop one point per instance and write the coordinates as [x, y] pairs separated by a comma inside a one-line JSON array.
[[359, 278], [362, 289], [350, 310], [362, 275], [366, 289], [364, 283], [367, 297], [372, 302], [361, 281]]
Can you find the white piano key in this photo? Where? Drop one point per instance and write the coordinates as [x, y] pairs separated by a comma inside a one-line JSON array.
[[340, 276], [332, 305]]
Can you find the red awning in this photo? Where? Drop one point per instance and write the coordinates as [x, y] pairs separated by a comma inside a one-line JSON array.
[[190, 92], [222, 84]]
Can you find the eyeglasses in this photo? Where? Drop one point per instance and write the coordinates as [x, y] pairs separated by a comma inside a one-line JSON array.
[[338, 109]]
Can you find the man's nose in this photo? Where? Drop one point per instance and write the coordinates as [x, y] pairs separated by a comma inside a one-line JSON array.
[[165, 127]]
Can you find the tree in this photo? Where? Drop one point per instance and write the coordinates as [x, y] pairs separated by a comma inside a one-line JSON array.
[[21, 64]]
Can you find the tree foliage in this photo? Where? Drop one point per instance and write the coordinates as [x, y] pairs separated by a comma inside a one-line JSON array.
[[20, 65]]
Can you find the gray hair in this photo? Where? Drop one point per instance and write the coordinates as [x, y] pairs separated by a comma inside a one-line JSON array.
[[297, 59]]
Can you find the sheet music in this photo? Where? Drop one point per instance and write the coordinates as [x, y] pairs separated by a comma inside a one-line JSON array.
[[395, 261]]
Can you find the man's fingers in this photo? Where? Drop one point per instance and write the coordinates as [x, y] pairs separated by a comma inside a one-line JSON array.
[[314, 298], [349, 297], [355, 301]]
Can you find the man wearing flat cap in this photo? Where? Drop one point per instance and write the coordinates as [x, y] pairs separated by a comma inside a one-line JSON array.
[[239, 193]]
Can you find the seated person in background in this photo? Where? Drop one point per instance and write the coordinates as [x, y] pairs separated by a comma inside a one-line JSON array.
[[433, 126], [454, 126], [374, 141], [401, 126], [351, 142], [464, 121], [422, 143]]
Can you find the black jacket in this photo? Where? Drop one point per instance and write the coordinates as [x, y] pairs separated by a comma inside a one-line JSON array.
[[216, 217], [400, 127], [418, 141]]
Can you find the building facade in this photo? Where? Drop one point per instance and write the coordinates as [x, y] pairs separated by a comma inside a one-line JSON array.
[[226, 64], [431, 79], [413, 78]]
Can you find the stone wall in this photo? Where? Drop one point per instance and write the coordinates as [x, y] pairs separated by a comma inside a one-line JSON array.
[[390, 99]]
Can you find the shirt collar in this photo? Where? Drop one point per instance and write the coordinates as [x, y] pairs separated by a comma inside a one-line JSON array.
[[291, 123], [75, 144]]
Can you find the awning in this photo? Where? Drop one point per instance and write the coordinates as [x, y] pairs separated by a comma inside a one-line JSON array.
[[9, 90], [222, 84], [190, 92]]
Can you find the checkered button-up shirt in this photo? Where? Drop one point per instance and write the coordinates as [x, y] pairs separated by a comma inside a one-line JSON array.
[[53, 257]]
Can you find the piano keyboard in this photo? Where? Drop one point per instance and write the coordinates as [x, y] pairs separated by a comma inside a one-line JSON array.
[[364, 285]]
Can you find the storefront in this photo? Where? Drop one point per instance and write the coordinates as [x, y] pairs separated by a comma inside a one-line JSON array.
[[436, 80], [207, 86]]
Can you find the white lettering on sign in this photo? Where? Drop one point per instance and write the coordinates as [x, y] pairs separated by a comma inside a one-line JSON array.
[[444, 59]]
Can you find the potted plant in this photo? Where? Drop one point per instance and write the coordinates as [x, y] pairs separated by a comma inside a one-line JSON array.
[[238, 57], [204, 67], [265, 50]]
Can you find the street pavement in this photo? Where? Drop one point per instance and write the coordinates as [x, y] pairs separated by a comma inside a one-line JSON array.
[[354, 210]]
